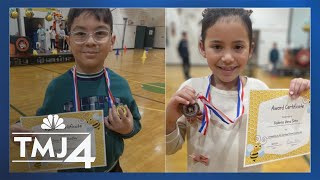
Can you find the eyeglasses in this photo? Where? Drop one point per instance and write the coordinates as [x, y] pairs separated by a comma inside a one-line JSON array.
[[80, 37]]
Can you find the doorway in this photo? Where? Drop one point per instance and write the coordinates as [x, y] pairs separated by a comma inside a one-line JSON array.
[[31, 27], [149, 37], [144, 37]]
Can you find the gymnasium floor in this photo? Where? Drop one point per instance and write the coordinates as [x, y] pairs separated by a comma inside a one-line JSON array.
[[145, 152], [177, 162]]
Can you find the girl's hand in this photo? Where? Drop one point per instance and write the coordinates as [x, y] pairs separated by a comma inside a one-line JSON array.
[[185, 96], [297, 86]]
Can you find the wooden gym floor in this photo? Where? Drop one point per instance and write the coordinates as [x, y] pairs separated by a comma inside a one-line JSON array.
[[145, 152], [177, 162]]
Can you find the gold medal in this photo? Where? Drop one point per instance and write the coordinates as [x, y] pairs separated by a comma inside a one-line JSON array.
[[121, 108], [190, 110]]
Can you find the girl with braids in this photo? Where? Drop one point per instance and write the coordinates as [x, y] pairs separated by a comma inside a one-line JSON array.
[[213, 145]]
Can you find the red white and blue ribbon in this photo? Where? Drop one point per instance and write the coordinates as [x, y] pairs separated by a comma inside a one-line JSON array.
[[75, 90], [208, 107], [110, 96], [76, 94]]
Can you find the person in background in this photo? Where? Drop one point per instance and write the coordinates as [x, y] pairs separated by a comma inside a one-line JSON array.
[[41, 32], [66, 46], [52, 33], [184, 54], [274, 58], [62, 35]]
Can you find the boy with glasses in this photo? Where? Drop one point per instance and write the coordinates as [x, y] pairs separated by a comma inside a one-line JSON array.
[[89, 85]]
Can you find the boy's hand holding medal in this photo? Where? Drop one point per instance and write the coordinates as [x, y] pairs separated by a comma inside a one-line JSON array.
[[119, 120]]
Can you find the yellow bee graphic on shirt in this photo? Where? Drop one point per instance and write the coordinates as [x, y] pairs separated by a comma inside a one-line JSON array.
[[256, 150]]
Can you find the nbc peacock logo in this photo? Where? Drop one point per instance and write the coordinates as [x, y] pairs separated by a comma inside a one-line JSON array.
[[53, 122]]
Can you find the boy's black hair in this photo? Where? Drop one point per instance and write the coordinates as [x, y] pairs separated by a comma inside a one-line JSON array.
[[211, 16], [102, 14]]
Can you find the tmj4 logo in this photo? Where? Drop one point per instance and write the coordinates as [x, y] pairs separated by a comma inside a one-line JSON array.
[[54, 123]]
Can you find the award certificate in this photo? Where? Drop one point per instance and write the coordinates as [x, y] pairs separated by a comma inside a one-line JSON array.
[[278, 126]]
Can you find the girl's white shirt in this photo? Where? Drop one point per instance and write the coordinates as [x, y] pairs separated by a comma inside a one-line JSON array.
[[223, 144]]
